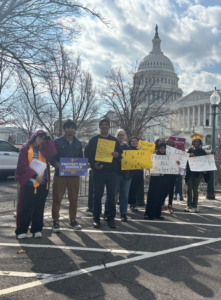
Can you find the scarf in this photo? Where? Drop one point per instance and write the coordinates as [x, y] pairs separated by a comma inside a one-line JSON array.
[[42, 159]]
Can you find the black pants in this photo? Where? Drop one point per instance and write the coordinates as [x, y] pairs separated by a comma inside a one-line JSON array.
[[100, 179], [170, 191], [136, 181], [32, 209]]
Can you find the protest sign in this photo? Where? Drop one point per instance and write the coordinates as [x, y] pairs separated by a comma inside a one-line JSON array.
[[104, 150], [178, 155], [179, 143], [164, 164], [73, 166], [143, 145], [202, 163], [135, 159]]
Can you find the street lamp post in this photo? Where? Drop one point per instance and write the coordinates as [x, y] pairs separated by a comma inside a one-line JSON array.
[[214, 100]]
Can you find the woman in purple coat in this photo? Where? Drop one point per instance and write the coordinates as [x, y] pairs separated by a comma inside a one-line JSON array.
[[33, 186]]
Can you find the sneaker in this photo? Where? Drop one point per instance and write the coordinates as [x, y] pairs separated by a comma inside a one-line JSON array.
[[160, 218], [97, 224], [170, 209], [73, 223], [162, 210], [105, 216], [133, 207], [192, 210], [38, 234], [112, 224], [22, 236], [56, 227], [124, 217], [187, 208], [197, 209]]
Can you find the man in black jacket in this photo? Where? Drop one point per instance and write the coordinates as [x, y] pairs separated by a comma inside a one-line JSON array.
[[66, 146], [104, 174]]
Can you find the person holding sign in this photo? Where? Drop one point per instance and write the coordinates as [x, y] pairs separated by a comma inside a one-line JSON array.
[[158, 188], [34, 183], [158, 142], [123, 180], [67, 146], [137, 178], [193, 178], [103, 152]]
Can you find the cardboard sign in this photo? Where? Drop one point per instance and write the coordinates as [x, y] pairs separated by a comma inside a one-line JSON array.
[[104, 150], [73, 166], [143, 145], [202, 163], [178, 155], [164, 164], [135, 159], [179, 143]]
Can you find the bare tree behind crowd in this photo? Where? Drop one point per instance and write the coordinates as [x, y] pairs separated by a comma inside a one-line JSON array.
[[134, 101], [28, 29], [61, 90]]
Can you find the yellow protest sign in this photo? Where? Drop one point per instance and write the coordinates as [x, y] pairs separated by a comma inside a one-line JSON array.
[[143, 145], [104, 150], [135, 159]]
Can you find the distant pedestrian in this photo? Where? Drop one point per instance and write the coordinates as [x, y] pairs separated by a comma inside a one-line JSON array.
[[67, 146], [32, 195], [137, 179], [193, 179], [123, 180], [104, 174]]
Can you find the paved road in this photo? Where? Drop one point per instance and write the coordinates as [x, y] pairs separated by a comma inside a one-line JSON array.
[[178, 258]]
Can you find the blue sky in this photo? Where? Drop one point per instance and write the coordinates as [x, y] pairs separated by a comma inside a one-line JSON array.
[[190, 31]]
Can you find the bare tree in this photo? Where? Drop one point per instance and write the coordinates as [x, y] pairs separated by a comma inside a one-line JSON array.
[[135, 101], [8, 90], [24, 117], [29, 28]]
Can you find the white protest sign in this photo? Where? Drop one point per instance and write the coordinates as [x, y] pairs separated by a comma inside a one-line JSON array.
[[202, 163], [178, 155], [164, 164]]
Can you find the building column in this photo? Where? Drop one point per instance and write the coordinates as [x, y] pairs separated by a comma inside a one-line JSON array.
[[199, 115], [194, 118], [210, 116], [184, 119], [204, 115], [179, 119], [188, 118]]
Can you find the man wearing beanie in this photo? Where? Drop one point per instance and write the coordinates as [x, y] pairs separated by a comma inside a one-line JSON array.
[[66, 146], [104, 174]]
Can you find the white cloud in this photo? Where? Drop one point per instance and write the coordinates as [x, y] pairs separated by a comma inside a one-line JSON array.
[[191, 38]]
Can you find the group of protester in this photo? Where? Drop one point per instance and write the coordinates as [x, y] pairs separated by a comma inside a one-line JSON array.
[[34, 187]]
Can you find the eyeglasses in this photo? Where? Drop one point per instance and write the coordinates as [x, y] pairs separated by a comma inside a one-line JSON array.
[[121, 134]]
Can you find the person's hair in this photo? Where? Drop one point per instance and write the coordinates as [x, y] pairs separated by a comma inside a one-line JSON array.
[[132, 138], [69, 123], [167, 140], [200, 141], [32, 139], [104, 120], [118, 130]]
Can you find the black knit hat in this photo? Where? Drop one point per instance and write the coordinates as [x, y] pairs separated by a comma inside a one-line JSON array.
[[104, 120]]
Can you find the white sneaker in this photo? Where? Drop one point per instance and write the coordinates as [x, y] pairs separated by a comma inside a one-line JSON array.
[[38, 234], [22, 236], [197, 209], [187, 208], [192, 210]]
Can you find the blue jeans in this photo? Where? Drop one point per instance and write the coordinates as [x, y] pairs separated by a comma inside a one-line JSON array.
[[100, 179], [124, 186]]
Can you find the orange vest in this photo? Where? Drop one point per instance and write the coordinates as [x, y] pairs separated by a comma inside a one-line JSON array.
[[41, 158]]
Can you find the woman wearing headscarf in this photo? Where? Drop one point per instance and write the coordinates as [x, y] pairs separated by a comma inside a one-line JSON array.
[[158, 187], [157, 142], [137, 178], [193, 178], [33, 186]]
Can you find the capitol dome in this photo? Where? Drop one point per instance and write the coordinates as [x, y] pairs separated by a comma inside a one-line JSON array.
[[160, 66]]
